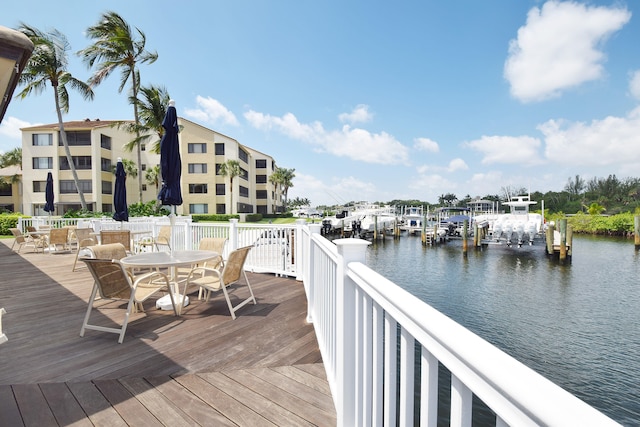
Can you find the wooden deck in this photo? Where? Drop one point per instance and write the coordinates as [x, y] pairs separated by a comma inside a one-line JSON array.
[[202, 368]]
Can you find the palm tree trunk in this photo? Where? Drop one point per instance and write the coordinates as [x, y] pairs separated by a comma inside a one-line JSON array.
[[72, 166], [134, 82]]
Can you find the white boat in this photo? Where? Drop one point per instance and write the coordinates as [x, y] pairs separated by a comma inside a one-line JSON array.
[[518, 226], [412, 219]]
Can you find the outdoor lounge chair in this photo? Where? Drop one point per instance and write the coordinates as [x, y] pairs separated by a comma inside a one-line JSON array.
[[85, 240], [213, 280], [27, 240], [116, 236], [163, 239], [112, 281], [59, 237]]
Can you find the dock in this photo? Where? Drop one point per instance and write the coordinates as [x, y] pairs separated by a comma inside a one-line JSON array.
[[201, 368]]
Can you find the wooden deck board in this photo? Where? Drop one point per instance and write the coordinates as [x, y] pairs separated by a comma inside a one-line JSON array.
[[195, 369]]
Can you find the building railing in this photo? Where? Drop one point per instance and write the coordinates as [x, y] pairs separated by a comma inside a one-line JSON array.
[[382, 347]]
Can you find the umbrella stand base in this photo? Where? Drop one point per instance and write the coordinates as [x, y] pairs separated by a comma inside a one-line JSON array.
[[164, 303]]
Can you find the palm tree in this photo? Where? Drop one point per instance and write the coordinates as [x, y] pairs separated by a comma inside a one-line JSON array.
[[230, 168], [152, 176], [48, 64], [276, 179], [129, 166], [116, 46], [287, 182], [11, 158], [152, 109], [283, 177]]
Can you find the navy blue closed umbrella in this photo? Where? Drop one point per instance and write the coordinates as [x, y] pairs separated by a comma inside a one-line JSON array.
[[170, 163], [121, 212], [49, 206]]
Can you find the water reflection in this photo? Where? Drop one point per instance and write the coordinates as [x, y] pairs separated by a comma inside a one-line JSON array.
[[574, 323]]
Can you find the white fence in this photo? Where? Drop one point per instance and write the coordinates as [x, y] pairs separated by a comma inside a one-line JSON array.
[[381, 346]]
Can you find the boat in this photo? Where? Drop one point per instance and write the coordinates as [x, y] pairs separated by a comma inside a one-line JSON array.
[[518, 226], [412, 219]]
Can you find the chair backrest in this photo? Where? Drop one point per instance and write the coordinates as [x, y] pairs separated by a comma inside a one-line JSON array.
[[234, 265], [164, 235], [59, 236], [213, 244], [84, 237], [116, 236], [109, 251], [112, 280], [31, 229], [17, 234]]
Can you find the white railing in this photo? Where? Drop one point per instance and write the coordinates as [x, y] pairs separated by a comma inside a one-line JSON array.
[[369, 331]]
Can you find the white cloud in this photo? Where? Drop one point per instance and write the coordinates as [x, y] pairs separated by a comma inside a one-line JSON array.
[[360, 114], [11, 136], [610, 141], [507, 149], [334, 192], [457, 165], [357, 144], [559, 47], [211, 111], [426, 144], [634, 84]]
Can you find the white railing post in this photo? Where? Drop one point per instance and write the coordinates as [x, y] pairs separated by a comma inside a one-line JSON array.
[[349, 250], [299, 249], [233, 234], [309, 267]]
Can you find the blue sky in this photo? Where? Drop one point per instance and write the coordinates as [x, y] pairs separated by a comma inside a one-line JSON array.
[[378, 101]]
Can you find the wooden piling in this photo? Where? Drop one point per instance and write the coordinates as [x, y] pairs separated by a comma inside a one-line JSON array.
[[562, 225], [465, 227], [549, 238], [636, 231], [569, 241], [476, 235]]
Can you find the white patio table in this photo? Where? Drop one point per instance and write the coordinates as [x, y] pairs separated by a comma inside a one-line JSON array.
[[169, 260]]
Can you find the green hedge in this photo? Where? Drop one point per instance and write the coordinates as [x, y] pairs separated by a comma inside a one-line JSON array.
[[8, 221], [212, 217]]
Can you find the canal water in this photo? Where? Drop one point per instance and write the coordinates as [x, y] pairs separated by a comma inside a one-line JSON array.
[[577, 324]]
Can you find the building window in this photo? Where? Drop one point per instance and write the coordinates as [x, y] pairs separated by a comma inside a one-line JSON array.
[[80, 162], [39, 186], [143, 147], [218, 166], [244, 174], [43, 162], [42, 139], [261, 194], [197, 168], [219, 149], [198, 188], [107, 207], [221, 208], [243, 155], [105, 164], [220, 189], [261, 209], [74, 138], [261, 163], [106, 187], [105, 142], [69, 186], [143, 166], [5, 189], [261, 179], [6, 207], [197, 148], [244, 191], [198, 208], [144, 187]]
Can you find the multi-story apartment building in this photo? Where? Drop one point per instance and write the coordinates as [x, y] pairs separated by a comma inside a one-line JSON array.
[[95, 146]]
